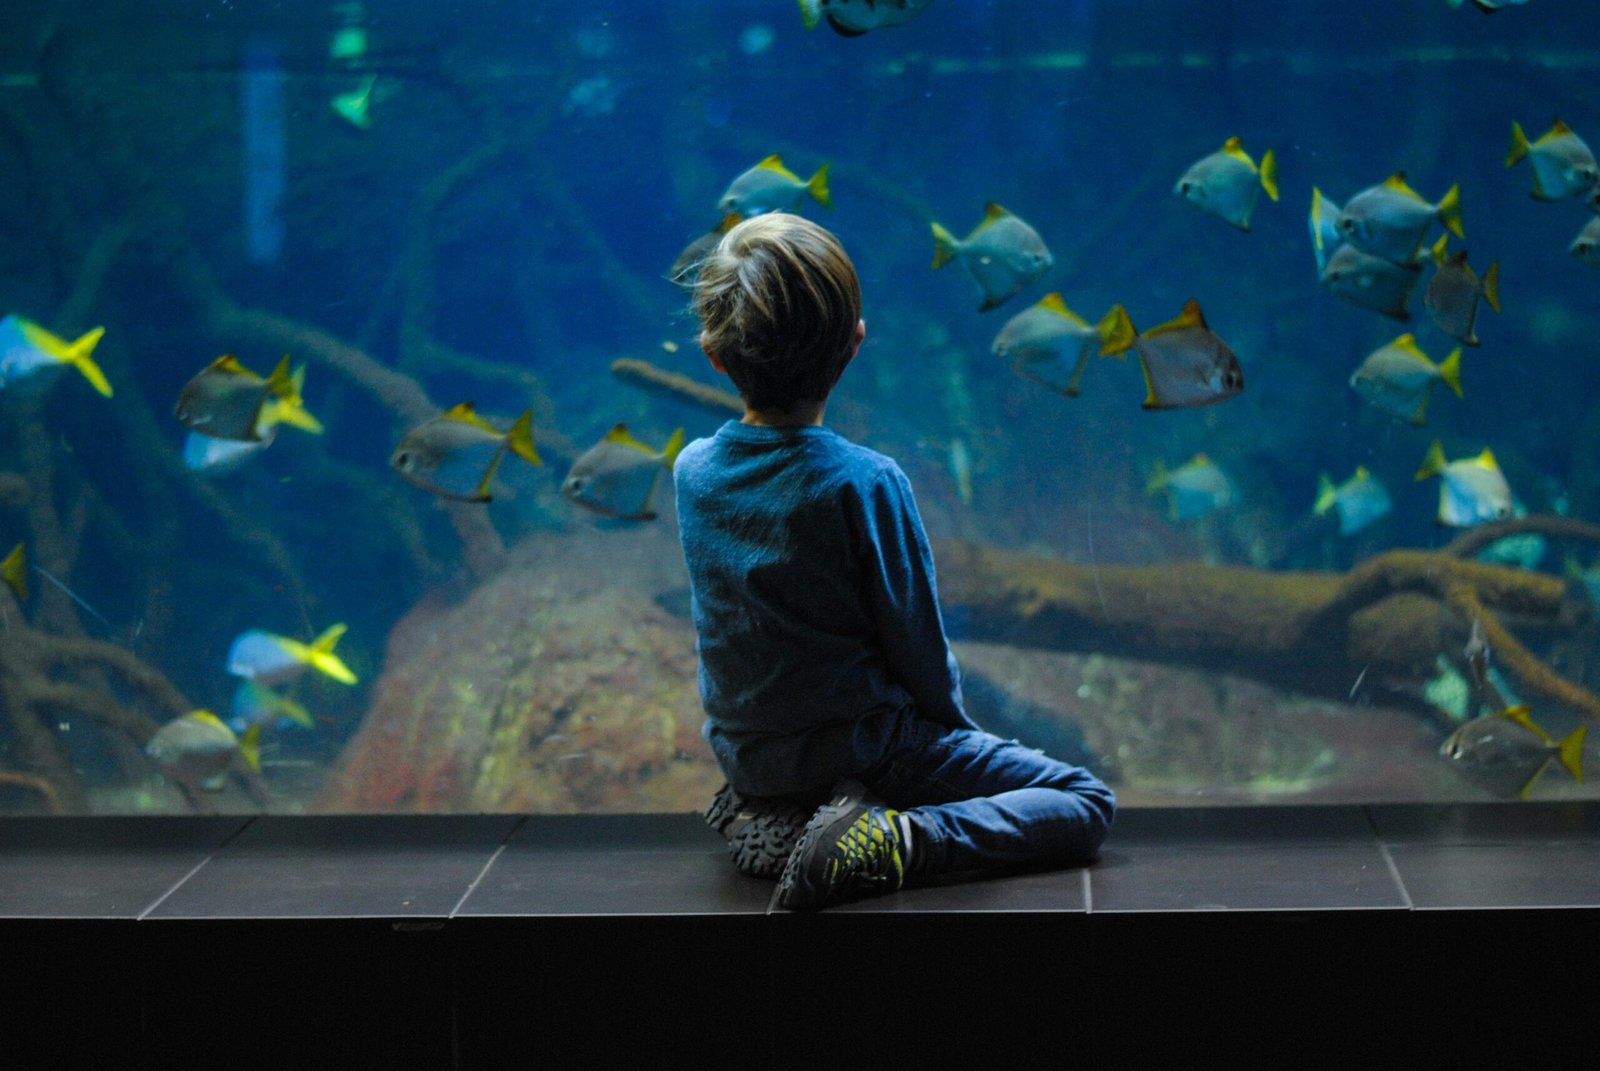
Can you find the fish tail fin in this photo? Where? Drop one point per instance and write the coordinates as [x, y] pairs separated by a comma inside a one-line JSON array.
[[817, 186], [811, 13], [319, 655], [1326, 493], [1438, 249], [290, 406], [1491, 286], [674, 447], [1433, 463], [1519, 144], [520, 439], [1269, 174], [330, 664], [14, 570], [1450, 210], [944, 246], [296, 415], [250, 747], [1158, 477], [1116, 333], [1450, 371], [1570, 752], [79, 353]]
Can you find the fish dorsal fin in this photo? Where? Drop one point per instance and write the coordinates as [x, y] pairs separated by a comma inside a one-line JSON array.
[[1362, 473], [1235, 148], [464, 413], [1052, 302], [208, 718], [773, 163], [619, 435], [1407, 344], [1200, 460], [730, 221], [230, 364], [1486, 459], [992, 212], [1559, 127], [1397, 183], [1522, 717], [1190, 317]]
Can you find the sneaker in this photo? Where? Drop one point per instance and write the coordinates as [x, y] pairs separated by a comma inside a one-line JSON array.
[[850, 848], [761, 834]]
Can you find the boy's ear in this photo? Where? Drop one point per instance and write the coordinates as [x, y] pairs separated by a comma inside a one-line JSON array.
[[716, 362]]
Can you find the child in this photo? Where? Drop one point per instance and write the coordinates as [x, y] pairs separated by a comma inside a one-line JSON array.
[[824, 671]]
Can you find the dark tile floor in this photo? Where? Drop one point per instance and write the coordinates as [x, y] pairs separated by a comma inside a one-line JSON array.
[[1382, 858]]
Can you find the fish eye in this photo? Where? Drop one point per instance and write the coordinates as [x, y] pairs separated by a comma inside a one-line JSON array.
[[403, 459]]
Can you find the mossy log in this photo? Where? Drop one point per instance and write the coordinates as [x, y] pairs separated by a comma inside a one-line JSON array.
[[1392, 616]]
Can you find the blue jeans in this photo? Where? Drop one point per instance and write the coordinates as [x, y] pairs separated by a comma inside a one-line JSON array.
[[980, 802]]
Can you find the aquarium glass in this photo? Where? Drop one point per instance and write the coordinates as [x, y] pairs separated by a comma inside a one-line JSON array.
[[1277, 480]]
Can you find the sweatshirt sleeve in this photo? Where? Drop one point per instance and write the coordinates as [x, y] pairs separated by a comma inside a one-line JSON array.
[[904, 601]]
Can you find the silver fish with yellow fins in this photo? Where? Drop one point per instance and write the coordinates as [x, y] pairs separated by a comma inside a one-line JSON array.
[[456, 454], [1507, 751], [1003, 254], [1398, 378], [212, 456], [852, 18], [1391, 219], [1360, 500], [1185, 363], [1051, 345], [197, 750], [1472, 490], [1193, 489], [226, 400], [1586, 246], [31, 357], [618, 476], [1453, 293], [1371, 282], [771, 187], [1563, 166], [1227, 182]]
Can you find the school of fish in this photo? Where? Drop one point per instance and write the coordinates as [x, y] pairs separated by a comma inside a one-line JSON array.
[[1371, 252]]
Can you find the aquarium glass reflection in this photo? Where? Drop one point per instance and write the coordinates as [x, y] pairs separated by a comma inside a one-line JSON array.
[[1241, 357]]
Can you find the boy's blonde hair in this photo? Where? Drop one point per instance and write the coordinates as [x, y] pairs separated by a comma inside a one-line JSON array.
[[778, 302]]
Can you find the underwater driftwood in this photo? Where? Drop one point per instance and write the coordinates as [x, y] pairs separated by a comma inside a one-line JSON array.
[[659, 381], [1393, 615]]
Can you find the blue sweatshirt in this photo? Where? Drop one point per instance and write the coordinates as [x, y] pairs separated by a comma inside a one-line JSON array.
[[814, 601]]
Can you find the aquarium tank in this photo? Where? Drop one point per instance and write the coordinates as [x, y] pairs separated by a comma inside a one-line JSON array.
[[1241, 358]]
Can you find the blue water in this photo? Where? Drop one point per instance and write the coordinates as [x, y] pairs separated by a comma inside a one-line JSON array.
[[618, 125]]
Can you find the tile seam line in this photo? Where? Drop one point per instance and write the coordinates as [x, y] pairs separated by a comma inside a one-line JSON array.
[[1394, 874], [472, 886], [212, 854]]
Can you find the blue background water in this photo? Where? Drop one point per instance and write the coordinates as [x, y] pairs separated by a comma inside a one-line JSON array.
[[621, 123]]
